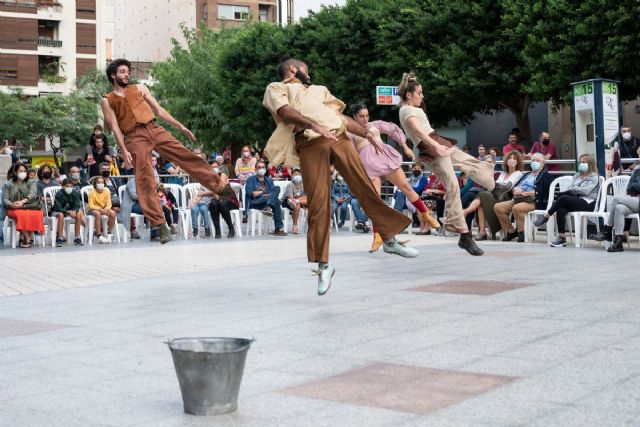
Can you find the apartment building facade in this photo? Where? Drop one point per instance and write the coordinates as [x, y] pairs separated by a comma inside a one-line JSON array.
[[234, 12], [46, 44]]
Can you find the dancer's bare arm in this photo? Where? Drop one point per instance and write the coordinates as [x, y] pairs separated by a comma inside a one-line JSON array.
[[290, 115], [110, 118], [357, 129], [416, 129], [164, 114]]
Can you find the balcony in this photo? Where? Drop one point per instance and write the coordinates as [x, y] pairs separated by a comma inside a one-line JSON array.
[[49, 43], [13, 6], [49, 3], [50, 10]]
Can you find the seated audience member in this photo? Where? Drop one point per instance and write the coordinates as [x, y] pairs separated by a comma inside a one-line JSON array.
[[580, 196], [245, 165], [176, 173], [483, 204], [199, 207], [22, 204], [434, 192], [221, 165], [513, 144], [100, 154], [97, 130], [224, 201], [100, 204], [418, 182], [547, 148], [340, 198], [45, 180], [532, 192], [496, 153], [75, 177], [279, 173], [169, 206], [361, 217], [128, 205], [68, 204], [628, 148], [33, 174], [294, 198], [112, 184], [482, 151], [621, 206], [262, 194]]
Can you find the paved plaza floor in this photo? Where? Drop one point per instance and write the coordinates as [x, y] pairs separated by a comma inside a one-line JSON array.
[[527, 335]]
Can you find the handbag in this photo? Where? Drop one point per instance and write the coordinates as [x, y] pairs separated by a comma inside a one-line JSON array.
[[524, 199]]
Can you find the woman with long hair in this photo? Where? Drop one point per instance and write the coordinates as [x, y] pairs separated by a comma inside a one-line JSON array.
[[442, 156], [382, 161]]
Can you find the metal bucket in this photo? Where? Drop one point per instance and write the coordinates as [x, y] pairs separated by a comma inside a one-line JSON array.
[[209, 371]]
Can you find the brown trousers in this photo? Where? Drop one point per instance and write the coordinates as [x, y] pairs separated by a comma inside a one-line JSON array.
[[519, 211], [444, 168], [140, 143], [315, 158]]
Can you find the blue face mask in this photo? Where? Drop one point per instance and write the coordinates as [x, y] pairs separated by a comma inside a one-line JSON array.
[[583, 167], [535, 166]]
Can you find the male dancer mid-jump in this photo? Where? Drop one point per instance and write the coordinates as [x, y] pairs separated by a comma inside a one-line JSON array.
[[310, 124], [130, 111]]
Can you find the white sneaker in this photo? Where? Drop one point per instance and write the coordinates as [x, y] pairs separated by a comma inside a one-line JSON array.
[[109, 237], [103, 240], [395, 247], [324, 278]]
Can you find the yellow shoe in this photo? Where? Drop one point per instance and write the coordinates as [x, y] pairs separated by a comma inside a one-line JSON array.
[[427, 218], [377, 242]]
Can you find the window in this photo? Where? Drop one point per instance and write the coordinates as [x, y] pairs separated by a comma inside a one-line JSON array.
[[205, 12], [8, 68], [264, 15], [226, 11]]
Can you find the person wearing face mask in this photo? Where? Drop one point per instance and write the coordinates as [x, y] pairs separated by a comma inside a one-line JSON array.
[[547, 148], [295, 198], [580, 196], [418, 182], [263, 194], [100, 154], [76, 178], [45, 179], [531, 192], [483, 204], [67, 203], [200, 205], [112, 184], [381, 161], [245, 165], [100, 204], [20, 199], [340, 198], [628, 148], [223, 168], [224, 201]]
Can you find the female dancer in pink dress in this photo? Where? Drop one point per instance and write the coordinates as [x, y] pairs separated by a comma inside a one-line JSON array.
[[382, 161]]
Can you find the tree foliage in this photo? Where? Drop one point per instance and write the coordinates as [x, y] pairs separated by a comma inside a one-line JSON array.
[[472, 56]]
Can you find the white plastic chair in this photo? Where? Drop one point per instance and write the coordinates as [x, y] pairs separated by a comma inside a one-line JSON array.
[[599, 212], [562, 183], [91, 220], [184, 214], [619, 185], [256, 217]]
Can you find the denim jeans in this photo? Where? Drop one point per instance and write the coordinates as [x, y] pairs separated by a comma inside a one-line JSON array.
[[357, 210], [200, 208], [272, 199], [400, 202], [343, 210]]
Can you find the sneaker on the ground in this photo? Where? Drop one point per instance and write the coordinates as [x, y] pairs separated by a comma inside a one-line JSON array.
[[59, 243], [78, 241], [366, 229], [244, 220], [295, 229], [267, 211], [340, 224], [207, 231], [195, 232], [510, 235], [174, 229], [559, 242], [279, 232], [110, 237], [359, 226], [135, 235], [397, 248], [103, 240]]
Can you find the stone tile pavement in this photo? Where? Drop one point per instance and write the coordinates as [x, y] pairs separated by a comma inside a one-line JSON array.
[[546, 337]]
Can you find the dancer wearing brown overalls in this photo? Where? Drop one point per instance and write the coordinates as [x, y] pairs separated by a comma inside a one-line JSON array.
[[130, 111]]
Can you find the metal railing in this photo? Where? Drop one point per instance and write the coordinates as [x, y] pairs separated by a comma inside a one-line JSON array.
[[49, 43]]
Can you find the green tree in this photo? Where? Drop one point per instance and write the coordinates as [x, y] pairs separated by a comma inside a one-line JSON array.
[[15, 118]]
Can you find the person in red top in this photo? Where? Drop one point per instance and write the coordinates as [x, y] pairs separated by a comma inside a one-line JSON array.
[[547, 148], [513, 145]]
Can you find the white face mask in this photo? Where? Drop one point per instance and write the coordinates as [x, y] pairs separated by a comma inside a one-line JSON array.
[[75, 176], [626, 136], [216, 170], [246, 154], [297, 179], [68, 190], [262, 172], [583, 167], [100, 187], [22, 176]]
